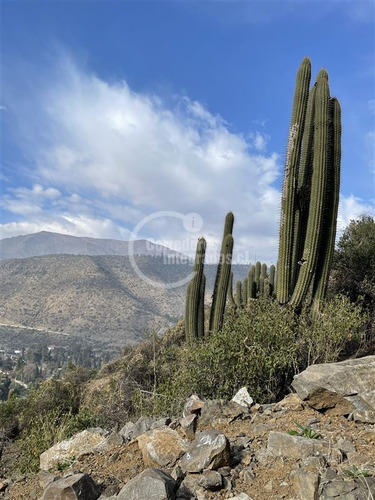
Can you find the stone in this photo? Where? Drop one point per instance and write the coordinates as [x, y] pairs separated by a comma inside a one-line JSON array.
[[243, 398], [241, 496], [346, 446], [80, 444], [189, 487], [132, 430], [188, 425], [364, 416], [305, 484], [247, 475], [110, 491], [287, 446], [219, 412], [323, 399], [45, 478], [193, 405], [354, 379], [151, 484], [210, 480], [209, 450], [161, 446], [114, 439], [292, 402], [76, 486]]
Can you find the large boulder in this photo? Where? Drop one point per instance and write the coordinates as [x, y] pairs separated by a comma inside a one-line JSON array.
[[74, 487], [83, 443], [209, 450], [353, 380], [151, 484], [161, 447]]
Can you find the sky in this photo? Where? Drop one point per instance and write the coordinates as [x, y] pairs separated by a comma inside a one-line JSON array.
[[130, 119]]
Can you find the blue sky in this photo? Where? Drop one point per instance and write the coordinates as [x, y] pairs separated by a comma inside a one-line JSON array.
[[114, 110]]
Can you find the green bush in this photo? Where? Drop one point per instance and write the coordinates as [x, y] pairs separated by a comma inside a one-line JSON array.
[[43, 431]]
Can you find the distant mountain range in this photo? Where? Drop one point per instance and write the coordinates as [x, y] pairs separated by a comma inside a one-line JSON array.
[[94, 293], [47, 243]]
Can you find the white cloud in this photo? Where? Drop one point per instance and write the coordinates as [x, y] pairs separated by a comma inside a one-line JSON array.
[[121, 155], [350, 208]]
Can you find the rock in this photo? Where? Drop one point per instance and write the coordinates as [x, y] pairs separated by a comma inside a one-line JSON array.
[[243, 398], [292, 402], [161, 422], [209, 450], [162, 446], [188, 425], [45, 478], [323, 399], [193, 405], [218, 412], [83, 443], [366, 417], [354, 379], [241, 496], [189, 487], [132, 430], [358, 489], [287, 446], [247, 475], [110, 491], [76, 486], [3, 485], [114, 439], [151, 484], [210, 480], [346, 446], [305, 484]]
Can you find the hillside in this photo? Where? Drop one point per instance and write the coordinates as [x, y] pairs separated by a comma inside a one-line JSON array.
[[100, 297], [47, 243]]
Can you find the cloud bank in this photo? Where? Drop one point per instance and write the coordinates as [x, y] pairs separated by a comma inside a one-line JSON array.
[[102, 157]]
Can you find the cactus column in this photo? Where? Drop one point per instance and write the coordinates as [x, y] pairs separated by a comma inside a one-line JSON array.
[[288, 200], [194, 313]]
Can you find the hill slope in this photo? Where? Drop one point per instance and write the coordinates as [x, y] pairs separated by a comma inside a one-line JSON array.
[[97, 296], [46, 243]]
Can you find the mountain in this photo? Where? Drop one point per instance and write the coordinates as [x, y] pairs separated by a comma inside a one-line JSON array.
[[46, 243], [98, 297]]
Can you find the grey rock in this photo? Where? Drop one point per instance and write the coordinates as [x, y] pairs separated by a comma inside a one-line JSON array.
[[151, 484], [210, 480], [217, 412], [83, 443], [353, 377], [162, 446], [285, 445], [188, 425], [76, 486], [364, 416], [132, 430], [45, 478], [241, 496], [189, 487], [209, 450], [358, 489], [305, 484], [193, 405]]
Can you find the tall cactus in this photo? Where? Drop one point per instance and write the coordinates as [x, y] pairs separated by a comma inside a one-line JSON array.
[[228, 228], [245, 291], [239, 300], [223, 284], [194, 313], [318, 192], [288, 200], [230, 291], [332, 202]]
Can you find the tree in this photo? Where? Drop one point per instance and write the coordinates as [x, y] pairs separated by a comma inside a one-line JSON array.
[[354, 261]]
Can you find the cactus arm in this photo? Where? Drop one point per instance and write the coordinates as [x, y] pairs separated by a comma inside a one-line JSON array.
[[223, 283], [288, 200], [332, 200], [318, 190], [228, 228]]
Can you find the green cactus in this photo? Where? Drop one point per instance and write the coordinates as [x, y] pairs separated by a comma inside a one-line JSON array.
[[318, 192], [230, 291], [258, 270], [332, 202], [251, 293], [239, 293], [288, 200], [223, 284], [245, 290], [194, 313], [228, 228]]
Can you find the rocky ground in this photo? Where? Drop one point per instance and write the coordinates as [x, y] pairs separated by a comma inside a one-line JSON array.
[[228, 449]]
